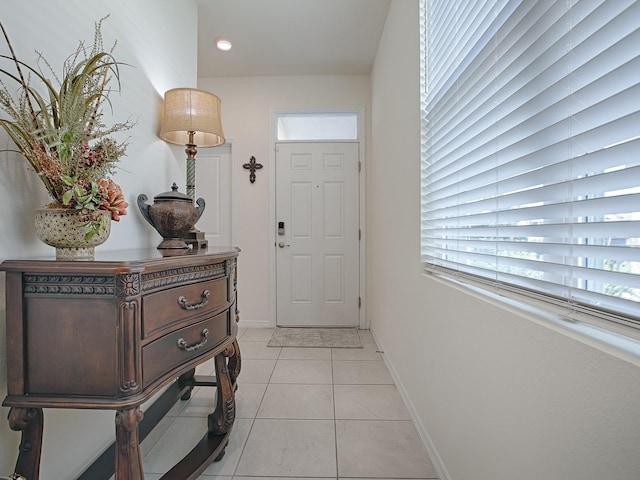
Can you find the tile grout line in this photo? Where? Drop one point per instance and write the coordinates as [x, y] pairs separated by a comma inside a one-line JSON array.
[[335, 423], [253, 421]]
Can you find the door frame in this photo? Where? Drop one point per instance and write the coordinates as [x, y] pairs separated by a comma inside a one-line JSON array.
[[360, 112]]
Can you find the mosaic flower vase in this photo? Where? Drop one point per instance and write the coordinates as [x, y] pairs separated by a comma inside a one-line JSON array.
[[65, 229]]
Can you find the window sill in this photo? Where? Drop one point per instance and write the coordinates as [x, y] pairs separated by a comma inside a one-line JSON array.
[[617, 340]]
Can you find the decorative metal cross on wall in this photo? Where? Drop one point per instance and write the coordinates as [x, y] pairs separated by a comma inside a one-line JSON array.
[[252, 166]]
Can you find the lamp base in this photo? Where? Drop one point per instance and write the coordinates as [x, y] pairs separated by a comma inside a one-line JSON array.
[[196, 239]]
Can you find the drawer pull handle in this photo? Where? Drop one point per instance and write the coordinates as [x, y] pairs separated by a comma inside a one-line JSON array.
[[183, 301], [182, 343]]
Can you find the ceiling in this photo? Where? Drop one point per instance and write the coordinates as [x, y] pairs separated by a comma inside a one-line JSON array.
[[289, 37]]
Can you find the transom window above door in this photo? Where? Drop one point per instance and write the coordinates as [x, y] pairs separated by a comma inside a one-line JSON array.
[[317, 126]]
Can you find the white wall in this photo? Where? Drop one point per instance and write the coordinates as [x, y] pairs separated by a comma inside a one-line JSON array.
[[499, 396], [152, 37], [247, 107]]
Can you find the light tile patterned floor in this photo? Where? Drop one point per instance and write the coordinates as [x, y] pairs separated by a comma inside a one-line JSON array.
[[302, 413]]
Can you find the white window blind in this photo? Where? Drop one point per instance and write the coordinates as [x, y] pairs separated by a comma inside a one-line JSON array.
[[531, 148]]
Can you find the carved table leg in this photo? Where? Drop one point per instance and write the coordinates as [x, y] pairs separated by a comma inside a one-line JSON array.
[[235, 362], [128, 459], [31, 422], [221, 420]]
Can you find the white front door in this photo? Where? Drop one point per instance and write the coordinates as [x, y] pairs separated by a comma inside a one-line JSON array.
[[317, 237]]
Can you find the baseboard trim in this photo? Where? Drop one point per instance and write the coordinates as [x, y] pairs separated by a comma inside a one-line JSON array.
[[255, 323], [436, 460]]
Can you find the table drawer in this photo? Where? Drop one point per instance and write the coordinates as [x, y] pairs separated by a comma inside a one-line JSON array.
[[168, 307], [169, 352]]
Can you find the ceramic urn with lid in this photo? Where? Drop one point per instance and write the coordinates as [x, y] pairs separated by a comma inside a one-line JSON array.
[[172, 214]]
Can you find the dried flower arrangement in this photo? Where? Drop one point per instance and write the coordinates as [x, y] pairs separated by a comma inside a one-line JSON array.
[[57, 126]]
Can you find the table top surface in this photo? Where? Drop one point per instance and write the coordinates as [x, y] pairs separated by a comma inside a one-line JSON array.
[[118, 258]]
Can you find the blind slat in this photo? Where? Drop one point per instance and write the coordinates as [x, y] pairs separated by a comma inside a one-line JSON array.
[[531, 128]]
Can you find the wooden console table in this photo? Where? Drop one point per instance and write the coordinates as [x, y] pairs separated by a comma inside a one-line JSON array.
[[110, 333]]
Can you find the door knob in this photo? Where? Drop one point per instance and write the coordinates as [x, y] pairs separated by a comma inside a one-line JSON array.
[[282, 245]]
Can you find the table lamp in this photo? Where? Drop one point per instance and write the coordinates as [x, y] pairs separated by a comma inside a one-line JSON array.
[[192, 118]]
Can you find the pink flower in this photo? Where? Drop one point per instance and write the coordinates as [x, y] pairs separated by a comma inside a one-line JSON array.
[[112, 199]]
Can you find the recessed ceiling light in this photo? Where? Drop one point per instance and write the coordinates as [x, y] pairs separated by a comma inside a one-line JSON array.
[[223, 44]]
